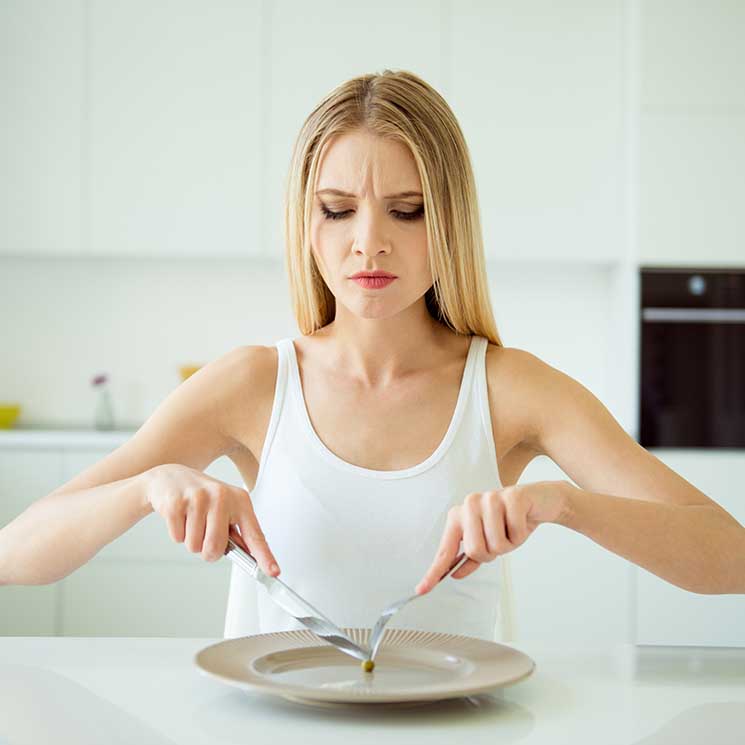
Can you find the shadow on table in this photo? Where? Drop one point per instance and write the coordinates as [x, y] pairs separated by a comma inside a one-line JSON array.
[[227, 713], [41, 706]]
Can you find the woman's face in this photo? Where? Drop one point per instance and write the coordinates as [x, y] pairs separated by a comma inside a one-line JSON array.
[[376, 223]]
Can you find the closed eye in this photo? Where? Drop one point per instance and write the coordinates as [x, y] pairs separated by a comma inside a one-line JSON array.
[[413, 215]]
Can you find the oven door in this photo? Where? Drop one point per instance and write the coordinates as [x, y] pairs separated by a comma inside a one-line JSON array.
[[692, 378]]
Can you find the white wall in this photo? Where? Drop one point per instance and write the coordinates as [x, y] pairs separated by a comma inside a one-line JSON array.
[[64, 320]]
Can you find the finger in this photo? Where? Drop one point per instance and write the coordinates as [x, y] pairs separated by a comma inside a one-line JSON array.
[[494, 527], [474, 542], [195, 520], [177, 525], [216, 532], [234, 533], [516, 518], [254, 538], [447, 551], [469, 567]]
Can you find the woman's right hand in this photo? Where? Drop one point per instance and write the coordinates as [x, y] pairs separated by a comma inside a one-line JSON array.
[[202, 512]]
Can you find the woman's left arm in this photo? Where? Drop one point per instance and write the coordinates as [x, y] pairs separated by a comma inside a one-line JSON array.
[[628, 500], [698, 547]]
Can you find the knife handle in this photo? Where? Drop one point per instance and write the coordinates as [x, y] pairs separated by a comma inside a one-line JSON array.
[[238, 555]]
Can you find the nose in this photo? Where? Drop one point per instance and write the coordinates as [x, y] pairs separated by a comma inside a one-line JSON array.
[[370, 238]]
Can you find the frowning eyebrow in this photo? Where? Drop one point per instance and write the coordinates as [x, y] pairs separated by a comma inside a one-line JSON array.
[[340, 193]]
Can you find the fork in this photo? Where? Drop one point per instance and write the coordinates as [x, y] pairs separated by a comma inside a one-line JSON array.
[[391, 610]]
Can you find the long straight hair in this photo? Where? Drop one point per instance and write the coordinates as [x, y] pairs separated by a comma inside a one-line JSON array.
[[401, 106]]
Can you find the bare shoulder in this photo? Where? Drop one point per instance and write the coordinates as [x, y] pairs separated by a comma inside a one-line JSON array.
[[248, 362], [248, 376], [516, 379]]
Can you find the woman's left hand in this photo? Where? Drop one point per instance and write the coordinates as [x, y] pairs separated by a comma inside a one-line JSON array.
[[492, 523]]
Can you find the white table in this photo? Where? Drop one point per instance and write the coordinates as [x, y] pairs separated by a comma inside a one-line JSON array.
[[81, 691]]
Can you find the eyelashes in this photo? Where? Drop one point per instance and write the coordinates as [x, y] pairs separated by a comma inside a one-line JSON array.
[[415, 215]]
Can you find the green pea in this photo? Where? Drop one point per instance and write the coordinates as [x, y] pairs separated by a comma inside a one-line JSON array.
[[368, 666]]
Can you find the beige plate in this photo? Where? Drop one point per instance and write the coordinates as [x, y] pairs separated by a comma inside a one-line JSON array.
[[410, 666]]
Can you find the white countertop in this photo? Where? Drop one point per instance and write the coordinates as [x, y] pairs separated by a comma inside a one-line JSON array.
[[66, 690], [64, 438]]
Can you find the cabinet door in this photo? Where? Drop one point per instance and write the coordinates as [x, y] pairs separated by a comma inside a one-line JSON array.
[[146, 598], [174, 127], [41, 95], [28, 610], [25, 476], [567, 589], [669, 615], [143, 583], [339, 42], [539, 91], [691, 144]]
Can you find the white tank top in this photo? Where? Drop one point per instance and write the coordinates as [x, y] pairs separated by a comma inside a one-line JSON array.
[[352, 540]]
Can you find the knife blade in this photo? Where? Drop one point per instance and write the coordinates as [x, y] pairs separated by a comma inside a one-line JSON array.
[[287, 599]]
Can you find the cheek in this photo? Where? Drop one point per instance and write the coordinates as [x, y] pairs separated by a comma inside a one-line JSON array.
[[321, 242], [326, 237], [421, 248]]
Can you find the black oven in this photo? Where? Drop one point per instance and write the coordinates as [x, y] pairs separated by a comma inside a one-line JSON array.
[[692, 358]]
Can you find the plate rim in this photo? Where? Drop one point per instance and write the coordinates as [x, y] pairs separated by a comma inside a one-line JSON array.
[[302, 638]]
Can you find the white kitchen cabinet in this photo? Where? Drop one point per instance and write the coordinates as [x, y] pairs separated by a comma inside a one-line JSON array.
[[538, 89], [141, 584], [341, 44], [667, 614], [144, 583], [29, 610], [25, 476], [184, 598], [565, 585], [41, 96], [174, 128], [692, 119]]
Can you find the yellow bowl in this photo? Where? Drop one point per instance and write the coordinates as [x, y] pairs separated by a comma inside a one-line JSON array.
[[8, 414], [188, 370]]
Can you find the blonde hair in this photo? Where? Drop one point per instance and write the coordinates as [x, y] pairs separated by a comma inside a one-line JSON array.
[[401, 106]]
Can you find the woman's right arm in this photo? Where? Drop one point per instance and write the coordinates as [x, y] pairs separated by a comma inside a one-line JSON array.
[[158, 469]]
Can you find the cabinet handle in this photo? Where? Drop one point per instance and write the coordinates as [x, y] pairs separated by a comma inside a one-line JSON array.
[[694, 315]]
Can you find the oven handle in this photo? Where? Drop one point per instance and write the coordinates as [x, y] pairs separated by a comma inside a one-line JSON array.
[[694, 315]]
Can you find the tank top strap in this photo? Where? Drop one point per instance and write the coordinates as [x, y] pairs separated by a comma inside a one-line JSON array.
[[474, 360], [481, 399], [280, 397]]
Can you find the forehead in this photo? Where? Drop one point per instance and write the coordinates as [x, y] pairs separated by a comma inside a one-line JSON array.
[[358, 161]]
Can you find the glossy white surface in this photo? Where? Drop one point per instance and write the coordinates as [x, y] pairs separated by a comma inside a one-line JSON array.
[[125, 690], [44, 439]]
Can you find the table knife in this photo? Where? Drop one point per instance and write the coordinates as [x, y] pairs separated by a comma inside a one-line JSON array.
[[292, 603]]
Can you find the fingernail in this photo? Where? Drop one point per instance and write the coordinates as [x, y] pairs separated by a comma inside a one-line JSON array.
[[274, 568]]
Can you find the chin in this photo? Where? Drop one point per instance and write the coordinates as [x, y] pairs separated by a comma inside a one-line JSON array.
[[371, 312]]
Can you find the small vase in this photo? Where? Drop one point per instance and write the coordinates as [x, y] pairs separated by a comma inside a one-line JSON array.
[[104, 410]]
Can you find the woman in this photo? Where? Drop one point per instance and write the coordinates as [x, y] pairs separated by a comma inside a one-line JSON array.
[[401, 422], [396, 426]]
